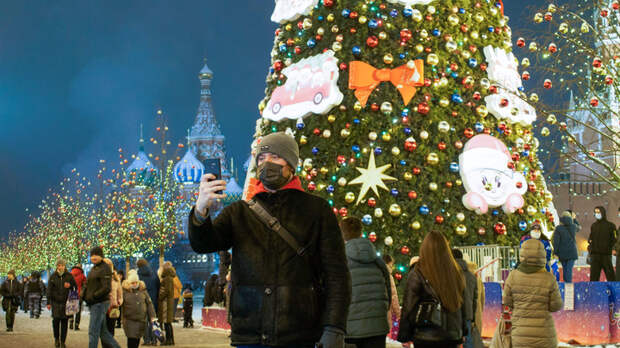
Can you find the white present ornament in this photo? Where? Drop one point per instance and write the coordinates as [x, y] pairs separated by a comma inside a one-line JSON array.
[[289, 10]]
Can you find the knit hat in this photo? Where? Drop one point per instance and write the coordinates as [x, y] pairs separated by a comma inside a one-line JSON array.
[[96, 251], [132, 276], [280, 144]]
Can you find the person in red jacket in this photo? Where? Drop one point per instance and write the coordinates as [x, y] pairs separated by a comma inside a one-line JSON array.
[[80, 280]]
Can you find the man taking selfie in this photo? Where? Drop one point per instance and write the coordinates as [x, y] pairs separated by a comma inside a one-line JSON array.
[[291, 285]]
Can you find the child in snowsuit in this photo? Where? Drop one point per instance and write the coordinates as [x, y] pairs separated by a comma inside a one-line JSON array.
[[188, 307]]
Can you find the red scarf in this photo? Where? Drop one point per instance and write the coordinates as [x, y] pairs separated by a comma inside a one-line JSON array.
[[294, 184]]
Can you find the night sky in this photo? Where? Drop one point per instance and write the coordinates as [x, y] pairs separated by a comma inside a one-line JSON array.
[[78, 77]]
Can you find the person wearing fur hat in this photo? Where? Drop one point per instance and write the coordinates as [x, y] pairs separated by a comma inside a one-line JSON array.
[[11, 291], [58, 288], [309, 285], [165, 308], [138, 310], [34, 292], [96, 293], [533, 294]]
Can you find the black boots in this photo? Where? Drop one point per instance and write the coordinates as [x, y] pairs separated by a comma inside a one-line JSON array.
[[70, 324], [57, 343], [169, 335]]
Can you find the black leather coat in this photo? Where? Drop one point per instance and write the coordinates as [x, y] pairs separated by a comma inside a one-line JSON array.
[[275, 299]]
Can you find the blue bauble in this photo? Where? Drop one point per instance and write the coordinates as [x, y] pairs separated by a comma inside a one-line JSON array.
[[373, 24], [436, 32], [300, 125], [407, 130], [522, 225], [403, 162], [315, 150], [355, 148], [356, 50], [367, 219], [356, 121], [311, 43], [525, 153], [283, 48], [346, 13], [330, 189], [402, 56], [521, 89], [404, 113], [407, 12], [456, 98], [495, 212], [472, 62], [479, 127], [320, 18], [394, 192], [394, 13], [480, 244], [461, 10], [424, 210], [454, 167], [378, 151], [491, 29], [454, 75]]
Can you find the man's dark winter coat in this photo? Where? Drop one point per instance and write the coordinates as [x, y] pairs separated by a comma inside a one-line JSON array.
[[35, 285], [470, 297], [275, 299], [57, 294], [11, 291], [602, 235], [564, 242], [98, 284], [371, 291], [152, 283]]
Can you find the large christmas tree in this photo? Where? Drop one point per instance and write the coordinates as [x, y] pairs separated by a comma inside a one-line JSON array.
[[411, 115]]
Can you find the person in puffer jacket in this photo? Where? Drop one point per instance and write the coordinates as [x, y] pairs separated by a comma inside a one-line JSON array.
[[138, 310], [533, 294]]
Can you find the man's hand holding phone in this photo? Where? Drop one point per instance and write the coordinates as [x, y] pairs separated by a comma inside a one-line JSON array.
[[207, 193]]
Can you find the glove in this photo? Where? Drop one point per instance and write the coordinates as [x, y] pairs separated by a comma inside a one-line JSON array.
[[332, 338]]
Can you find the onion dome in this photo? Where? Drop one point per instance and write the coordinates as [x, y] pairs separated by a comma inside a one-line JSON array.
[[233, 192], [189, 169], [141, 170]]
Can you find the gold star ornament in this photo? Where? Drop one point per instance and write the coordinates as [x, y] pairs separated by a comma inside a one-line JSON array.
[[371, 177]]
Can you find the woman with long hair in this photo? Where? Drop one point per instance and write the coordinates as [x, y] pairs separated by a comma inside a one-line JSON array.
[[433, 311]]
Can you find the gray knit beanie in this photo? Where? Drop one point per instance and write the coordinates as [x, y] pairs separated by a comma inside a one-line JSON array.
[[280, 144]]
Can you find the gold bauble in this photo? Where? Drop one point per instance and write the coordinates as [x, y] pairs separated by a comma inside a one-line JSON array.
[[383, 35], [431, 9], [453, 19], [423, 34], [432, 158], [444, 102], [563, 28], [324, 170], [416, 16], [357, 106], [525, 62], [485, 83], [342, 182], [478, 17], [321, 186], [335, 29], [433, 186], [451, 46], [531, 210], [534, 98], [331, 118], [345, 133], [460, 216], [288, 27], [424, 135], [349, 197], [458, 182], [419, 48], [466, 54], [303, 140], [432, 59], [331, 17], [395, 151], [388, 59], [307, 23], [336, 46], [327, 133], [474, 34], [372, 136], [585, 28], [386, 108], [552, 119], [538, 17], [407, 176], [395, 210], [533, 47], [320, 31], [363, 19], [545, 132], [386, 136], [482, 111], [461, 230], [415, 225], [378, 213], [443, 127]]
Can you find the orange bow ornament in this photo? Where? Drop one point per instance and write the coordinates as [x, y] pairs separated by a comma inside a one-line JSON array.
[[364, 78]]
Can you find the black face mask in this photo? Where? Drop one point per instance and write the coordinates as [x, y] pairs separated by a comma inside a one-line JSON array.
[[270, 174]]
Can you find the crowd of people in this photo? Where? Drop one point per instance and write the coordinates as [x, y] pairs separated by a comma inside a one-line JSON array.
[[308, 280], [138, 304]]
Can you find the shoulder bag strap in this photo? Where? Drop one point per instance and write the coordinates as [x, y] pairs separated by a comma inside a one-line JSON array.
[[275, 226], [428, 288]]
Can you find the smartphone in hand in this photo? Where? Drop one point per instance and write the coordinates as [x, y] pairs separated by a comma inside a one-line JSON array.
[[213, 166]]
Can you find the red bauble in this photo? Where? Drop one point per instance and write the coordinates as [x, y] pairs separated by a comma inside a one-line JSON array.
[[483, 67], [503, 102], [412, 195], [597, 62], [316, 131], [441, 146], [353, 15], [423, 108], [547, 84], [278, 65], [297, 50], [604, 12], [519, 184], [525, 76], [427, 82], [343, 66], [410, 145], [312, 187], [615, 5], [449, 184], [398, 276], [416, 171], [341, 159], [372, 41], [531, 187], [468, 132], [372, 202], [609, 80], [464, 28], [290, 42], [500, 228], [372, 237], [405, 35], [404, 250], [343, 211], [520, 42], [439, 219], [328, 3], [374, 107], [493, 89], [594, 101]]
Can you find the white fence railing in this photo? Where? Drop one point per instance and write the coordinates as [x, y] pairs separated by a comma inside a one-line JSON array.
[[494, 261]]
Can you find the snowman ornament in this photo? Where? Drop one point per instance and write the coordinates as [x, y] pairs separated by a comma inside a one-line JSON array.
[[487, 179]]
